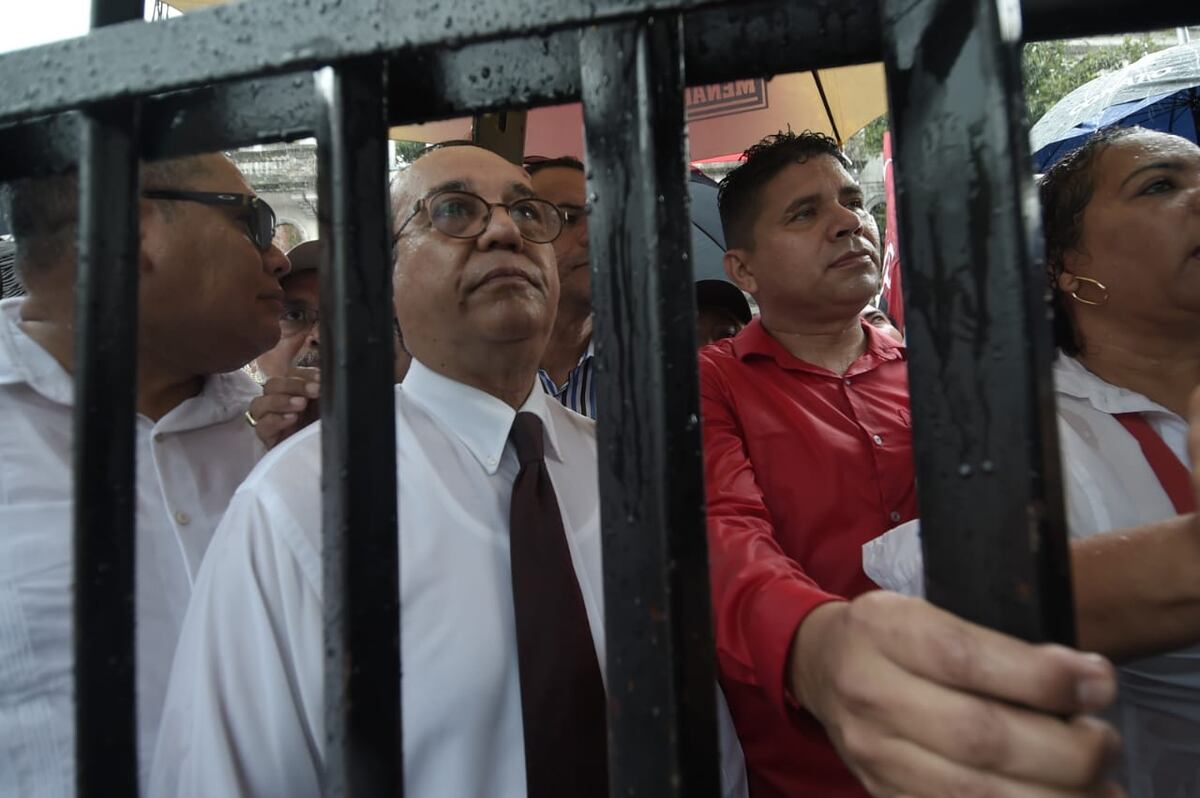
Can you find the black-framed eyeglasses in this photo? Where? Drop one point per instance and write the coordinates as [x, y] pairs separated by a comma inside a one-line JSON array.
[[461, 214], [257, 215]]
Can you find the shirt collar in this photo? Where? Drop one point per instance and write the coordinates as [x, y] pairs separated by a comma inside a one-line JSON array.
[[755, 341], [23, 360], [481, 421], [557, 390], [1072, 378], [224, 396]]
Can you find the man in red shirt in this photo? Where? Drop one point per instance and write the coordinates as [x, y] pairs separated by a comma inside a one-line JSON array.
[[836, 690]]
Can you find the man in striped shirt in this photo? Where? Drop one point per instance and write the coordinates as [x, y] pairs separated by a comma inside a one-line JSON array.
[[567, 366]]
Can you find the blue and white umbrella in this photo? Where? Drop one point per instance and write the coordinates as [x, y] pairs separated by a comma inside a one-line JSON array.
[[1160, 91]]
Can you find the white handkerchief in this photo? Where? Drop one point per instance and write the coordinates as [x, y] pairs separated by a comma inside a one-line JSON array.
[[894, 561]]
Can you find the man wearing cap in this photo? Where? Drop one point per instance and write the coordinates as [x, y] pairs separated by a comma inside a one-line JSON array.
[[290, 371], [300, 335], [721, 311]]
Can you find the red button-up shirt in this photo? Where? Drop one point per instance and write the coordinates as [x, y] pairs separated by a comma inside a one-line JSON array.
[[803, 466]]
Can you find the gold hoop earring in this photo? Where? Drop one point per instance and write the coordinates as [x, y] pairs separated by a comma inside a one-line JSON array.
[[1075, 294]]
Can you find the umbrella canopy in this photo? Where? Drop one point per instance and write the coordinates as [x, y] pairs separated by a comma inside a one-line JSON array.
[[708, 239], [1160, 91], [722, 118]]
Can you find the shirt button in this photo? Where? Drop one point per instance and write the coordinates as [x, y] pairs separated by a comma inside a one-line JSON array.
[[878, 440], [158, 437], [847, 382], [183, 519], [895, 516]]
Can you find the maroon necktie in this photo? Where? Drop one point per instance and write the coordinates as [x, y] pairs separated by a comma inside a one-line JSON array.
[[562, 694]]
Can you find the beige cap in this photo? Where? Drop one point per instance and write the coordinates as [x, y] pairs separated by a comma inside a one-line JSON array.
[[305, 256]]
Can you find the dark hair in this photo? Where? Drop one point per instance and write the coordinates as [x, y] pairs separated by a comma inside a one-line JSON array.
[[44, 211], [738, 195], [536, 163], [1065, 190]]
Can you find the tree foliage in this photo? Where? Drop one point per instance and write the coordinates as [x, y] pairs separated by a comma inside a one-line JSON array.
[[1051, 71], [406, 151]]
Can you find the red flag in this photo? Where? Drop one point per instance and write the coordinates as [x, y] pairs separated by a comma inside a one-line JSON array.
[[891, 298]]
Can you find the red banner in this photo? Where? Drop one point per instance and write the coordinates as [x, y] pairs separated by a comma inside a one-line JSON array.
[[891, 298]]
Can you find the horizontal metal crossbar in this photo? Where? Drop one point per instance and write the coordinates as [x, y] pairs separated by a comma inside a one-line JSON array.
[[522, 71], [233, 115], [273, 36], [723, 43]]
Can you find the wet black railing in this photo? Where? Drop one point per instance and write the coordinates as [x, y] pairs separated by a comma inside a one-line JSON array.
[[271, 70]]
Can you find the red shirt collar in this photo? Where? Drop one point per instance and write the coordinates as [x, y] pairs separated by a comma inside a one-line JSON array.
[[754, 341]]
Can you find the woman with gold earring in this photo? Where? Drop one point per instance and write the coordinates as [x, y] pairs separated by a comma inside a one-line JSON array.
[[1121, 216], [1122, 223]]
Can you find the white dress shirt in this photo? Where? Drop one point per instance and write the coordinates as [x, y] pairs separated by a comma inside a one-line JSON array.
[[245, 712], [188, 466], [1108, 485]]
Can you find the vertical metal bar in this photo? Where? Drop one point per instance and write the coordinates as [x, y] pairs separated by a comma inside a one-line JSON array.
[[363, 754], [502, 132], [979, 337], [661, 673], [105, 367], [105, 370], [112, 12]]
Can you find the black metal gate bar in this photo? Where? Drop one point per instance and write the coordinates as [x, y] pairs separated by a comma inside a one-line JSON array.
[[105, 368], [1062, 19], [227, 116], [661, 673], [363, 755], [993, 530], [983, 407]]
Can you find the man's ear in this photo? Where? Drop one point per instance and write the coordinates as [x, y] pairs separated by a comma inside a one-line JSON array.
[[738, 269]]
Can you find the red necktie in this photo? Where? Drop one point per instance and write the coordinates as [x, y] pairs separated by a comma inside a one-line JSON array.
[[1171, 473], [562, 694]]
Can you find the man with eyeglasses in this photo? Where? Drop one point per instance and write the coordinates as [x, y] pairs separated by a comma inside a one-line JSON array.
[[209, 302], [567, 365], [299, 328], [502, 636]]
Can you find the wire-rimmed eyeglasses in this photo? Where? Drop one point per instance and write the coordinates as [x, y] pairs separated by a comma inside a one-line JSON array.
[[461, 214]]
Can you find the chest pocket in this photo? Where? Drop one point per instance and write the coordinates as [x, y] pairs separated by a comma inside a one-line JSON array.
[[36, 709]]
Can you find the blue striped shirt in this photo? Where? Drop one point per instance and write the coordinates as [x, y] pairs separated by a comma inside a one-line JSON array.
[[578, 393]]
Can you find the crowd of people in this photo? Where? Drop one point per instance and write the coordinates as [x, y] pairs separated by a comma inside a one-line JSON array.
[[828, 686]]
